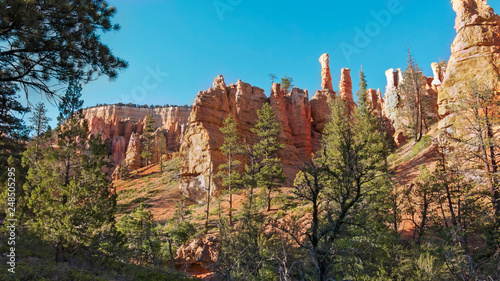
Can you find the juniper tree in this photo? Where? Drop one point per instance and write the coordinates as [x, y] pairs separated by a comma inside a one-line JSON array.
[[228, 171], [270, 171]]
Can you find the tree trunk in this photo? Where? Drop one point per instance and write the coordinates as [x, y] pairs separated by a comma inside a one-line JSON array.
[[208, 197], [269, 200], [495, 193]]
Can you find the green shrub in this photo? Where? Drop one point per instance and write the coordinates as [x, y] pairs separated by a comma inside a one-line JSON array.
[[419, 147]]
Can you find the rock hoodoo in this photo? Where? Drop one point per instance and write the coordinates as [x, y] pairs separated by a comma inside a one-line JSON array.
[[326, 77], [475, 51], [117, 125], [393, 102], [345, 88]]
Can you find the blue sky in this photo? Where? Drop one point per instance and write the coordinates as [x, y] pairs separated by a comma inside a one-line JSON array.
[[176, 48]]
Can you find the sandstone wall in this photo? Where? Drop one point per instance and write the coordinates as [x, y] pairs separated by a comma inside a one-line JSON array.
[[475, 52], [120, 124]]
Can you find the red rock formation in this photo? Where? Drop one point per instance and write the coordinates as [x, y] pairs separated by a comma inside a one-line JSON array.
[[319, 102], [133, 157], [117, 124], [438, 72], [345, 89], [326, 77], [203, 251], [475, 51], [200, 147], [394, 99]]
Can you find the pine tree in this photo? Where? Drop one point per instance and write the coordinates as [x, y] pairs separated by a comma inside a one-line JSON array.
[[12, 129], [363, 90], [413, 87], [143, 237], [270, 171], [71, 202], [162, 143], [70, 198], [71, 102], [287, 83], [228, 171], [149, 140], [39, 120], [477, 125], [47, 43], [346, 184]]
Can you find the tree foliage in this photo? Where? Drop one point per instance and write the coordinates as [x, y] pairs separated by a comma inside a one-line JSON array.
[[39, 119], [148, 140], [287, 83], [413, 87], [228, 171], [270, 171], [46, 42]]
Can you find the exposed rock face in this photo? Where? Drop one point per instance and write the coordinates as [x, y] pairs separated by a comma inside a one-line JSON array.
[[393, 103], [320, 111], [319, 102], [393, 106], [116, 124], [438, 72], [399, 138], [133, 157], [326, 77], [201, 143], [430, 98], [200, 251], [375, 100], [345, 88], [200, 147], [475, 51]]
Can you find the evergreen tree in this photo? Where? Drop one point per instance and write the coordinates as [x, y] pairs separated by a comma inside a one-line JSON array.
[[149, 140], [413, 87], [477, 129], [162, 143], [270, 171], [71, 199], [287, 83], [347, 184], [273, 77], [363, 90], [39, 120], [12, 128], [143, 237], [228, 171], [46, 42], [71, 102]]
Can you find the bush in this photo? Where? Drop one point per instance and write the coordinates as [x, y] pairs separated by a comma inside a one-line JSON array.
[[419, 147]]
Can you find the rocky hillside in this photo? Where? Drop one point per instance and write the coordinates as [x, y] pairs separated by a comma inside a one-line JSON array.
[[195, 133], [122, 127]]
